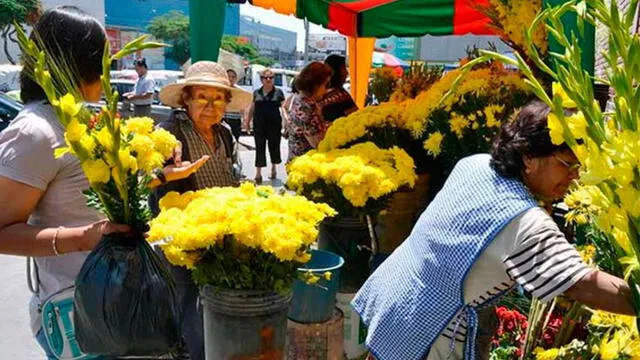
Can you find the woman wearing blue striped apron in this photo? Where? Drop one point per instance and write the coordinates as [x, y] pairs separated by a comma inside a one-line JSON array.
[[483, 234]]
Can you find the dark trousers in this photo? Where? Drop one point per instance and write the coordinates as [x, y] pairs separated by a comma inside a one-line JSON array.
[[270, 137], [236, 127], [142, 110]]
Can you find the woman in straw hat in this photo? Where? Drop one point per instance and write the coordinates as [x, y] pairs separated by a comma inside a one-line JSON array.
[[201, 99]]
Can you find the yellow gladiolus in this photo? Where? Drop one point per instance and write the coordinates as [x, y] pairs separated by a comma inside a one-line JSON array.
[[69, 106], [75, 131], [105, 138], [558, 91], [578, 125], [556, 130], [97, 171], [88, 143], [127, 161]]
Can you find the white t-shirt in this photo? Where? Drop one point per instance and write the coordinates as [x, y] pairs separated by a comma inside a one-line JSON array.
[[144, 85], [530, 251], [26, 156]]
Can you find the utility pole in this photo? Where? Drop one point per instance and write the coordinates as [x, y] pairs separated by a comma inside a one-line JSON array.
[[306, 41]]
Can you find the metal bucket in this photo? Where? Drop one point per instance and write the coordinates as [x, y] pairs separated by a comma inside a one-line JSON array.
[[315, 303], [244, 324], [350, 239]]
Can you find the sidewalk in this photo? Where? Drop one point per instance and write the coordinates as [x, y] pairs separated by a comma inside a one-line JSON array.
[[16, 340]]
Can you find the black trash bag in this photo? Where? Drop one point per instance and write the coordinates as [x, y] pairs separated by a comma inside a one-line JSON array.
[[125, 300]]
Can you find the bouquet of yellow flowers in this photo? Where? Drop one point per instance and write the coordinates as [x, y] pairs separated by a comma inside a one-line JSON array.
[[356, 181], [466, 120], [510, 19], [118, 156], [447, 124], [248, 238]]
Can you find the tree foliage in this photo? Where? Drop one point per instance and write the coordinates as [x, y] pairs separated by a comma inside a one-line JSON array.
[[18, 11], [241, 46], [173, 28]]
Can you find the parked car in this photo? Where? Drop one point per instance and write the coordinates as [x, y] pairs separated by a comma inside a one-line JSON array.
[[9, 109], [282, 79]]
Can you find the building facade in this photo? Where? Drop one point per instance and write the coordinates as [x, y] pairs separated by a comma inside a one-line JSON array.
[[450, 49], [127, 19], [91, 7], [272, 42], [323, 45]]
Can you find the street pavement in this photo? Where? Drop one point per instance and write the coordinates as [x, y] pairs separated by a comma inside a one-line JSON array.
[[16, 340]]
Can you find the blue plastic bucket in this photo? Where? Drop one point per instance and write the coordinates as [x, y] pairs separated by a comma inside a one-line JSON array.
[[315, 303]]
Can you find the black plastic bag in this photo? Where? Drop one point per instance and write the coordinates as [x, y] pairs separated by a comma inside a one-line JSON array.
[[125, 300]]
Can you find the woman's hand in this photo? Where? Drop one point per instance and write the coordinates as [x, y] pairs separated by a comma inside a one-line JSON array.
[[183, 169], [177, 154], [93, 233]]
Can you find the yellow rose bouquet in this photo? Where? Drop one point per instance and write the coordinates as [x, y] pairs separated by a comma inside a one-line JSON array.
[[118, 156], [356, 182], [606, 144], [246, 238]]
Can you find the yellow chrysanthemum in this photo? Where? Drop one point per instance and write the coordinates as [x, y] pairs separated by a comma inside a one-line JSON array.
[[164, 142], [458, 123], [277, 224], [142, 145], [138, 125], [432, 144], [362, 172], [550, 354]]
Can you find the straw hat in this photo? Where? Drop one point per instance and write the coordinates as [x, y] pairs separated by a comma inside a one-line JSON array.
[[205, 73]]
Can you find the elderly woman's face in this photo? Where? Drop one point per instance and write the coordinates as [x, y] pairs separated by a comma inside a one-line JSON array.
[[550, 177], [206, 105]]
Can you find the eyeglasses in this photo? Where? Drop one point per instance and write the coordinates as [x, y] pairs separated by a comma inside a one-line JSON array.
[[203, 102], [569, 166], [267, 78]]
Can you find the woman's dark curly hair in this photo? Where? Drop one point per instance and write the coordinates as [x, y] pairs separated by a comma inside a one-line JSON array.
[[526, 135]]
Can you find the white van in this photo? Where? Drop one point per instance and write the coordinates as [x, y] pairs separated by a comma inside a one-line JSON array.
[[282, 79]]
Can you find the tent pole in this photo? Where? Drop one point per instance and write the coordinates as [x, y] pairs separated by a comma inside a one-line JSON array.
[[206, 19], [586, 42]]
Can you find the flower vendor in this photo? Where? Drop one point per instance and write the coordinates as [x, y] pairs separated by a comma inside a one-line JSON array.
[[306, 125], [485, 232], [203, 96], [337, 102], [44, 211]]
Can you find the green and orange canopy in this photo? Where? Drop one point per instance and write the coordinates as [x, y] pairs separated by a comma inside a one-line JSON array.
[[383, 18]]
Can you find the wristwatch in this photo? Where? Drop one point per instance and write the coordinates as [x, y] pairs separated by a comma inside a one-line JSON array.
[[159, 173]]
